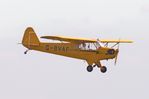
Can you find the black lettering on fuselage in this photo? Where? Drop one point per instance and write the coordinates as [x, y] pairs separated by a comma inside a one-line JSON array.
[[61, 48], [47, 47], [55, 48]]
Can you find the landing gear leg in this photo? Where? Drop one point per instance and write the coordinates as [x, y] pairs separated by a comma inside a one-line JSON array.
[[94, 65]]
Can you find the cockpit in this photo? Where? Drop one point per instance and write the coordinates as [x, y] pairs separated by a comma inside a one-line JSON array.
[[90, 46]]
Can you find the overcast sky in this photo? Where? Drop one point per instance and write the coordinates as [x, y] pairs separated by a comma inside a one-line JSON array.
[[40, 75]]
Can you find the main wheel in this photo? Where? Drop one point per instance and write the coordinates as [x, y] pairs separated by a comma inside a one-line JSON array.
[[103, 69], [89, 68]]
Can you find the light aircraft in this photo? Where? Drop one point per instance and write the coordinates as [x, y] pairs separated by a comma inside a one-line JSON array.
[[91, 50]]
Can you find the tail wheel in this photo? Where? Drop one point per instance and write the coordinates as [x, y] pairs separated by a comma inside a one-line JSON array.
[[103, 69], [89, 68]]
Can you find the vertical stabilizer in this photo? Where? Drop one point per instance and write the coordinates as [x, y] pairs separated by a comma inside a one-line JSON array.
[[30, 38]]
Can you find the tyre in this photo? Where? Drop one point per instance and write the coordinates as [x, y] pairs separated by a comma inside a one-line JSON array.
[[89, 68]]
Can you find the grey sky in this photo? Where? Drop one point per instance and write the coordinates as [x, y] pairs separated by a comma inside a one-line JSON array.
[[45, 76]]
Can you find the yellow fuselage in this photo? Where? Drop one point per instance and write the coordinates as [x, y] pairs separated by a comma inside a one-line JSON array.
[[70, 50]]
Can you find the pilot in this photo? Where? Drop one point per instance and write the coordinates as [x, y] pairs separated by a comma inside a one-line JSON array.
[[88, 46], [84, 46]]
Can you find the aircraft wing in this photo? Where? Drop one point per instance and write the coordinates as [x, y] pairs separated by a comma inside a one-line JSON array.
[[116, 41], [83, 40], [69, 39]]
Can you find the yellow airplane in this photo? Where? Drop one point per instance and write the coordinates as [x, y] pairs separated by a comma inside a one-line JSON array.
[[90, 50]]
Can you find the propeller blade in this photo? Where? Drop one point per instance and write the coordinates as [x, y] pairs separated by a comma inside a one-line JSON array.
[[116, 57], [117, 50]]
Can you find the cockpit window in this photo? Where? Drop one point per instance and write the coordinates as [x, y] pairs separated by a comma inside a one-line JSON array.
[[90, 46], [99, 44]]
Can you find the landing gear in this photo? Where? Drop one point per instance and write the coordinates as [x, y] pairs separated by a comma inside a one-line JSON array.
[[26, 51], [103, 69], [89, 68]]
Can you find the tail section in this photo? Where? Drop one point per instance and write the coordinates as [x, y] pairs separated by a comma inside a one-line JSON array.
[[30, 38]]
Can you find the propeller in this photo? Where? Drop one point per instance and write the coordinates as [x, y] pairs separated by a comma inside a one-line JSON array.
[[117, 51], [116, 56]]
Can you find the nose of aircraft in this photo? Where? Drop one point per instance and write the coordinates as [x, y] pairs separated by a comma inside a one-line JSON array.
[[113, 52]]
